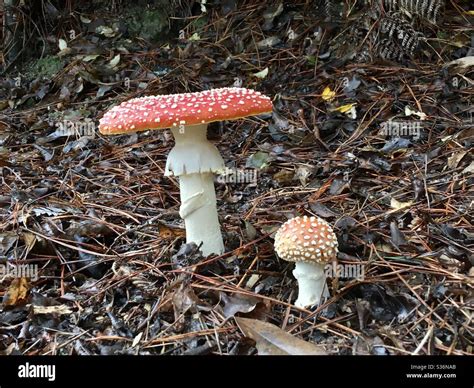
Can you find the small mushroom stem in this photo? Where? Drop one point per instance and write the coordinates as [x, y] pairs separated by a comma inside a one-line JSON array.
[[311, 283], [194, 160]]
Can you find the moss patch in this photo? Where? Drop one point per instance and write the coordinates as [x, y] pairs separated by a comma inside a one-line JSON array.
[[148, 24], [46, 67]]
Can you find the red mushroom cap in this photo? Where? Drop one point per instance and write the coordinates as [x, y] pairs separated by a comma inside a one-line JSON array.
[[309, 239], [165, 111]]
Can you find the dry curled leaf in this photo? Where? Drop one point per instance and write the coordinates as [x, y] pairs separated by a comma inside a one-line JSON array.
[[395, 204], [7, 241], [184, 299], [454, 159], [238, 303], [17, 292]]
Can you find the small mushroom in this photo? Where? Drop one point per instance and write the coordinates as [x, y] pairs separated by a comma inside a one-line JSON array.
[[311, 243], [193, 159]]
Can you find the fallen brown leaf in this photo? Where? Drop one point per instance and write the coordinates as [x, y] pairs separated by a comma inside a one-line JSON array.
[[170, 233], [61, 309], [17, 292], [271, 340]]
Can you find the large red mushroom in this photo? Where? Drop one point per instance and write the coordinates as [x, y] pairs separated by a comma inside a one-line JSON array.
[[193, 159]]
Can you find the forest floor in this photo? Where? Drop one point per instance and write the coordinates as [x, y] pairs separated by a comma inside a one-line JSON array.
[[97, 223]]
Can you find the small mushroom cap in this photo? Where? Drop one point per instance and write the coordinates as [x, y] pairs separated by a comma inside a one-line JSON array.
[[172, 110], [309, 239]]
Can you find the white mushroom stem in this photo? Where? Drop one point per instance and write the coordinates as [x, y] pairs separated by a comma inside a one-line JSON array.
[[311, 283], [194, 160], [199, 211]]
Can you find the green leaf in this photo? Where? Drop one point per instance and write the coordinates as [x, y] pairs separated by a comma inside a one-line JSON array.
[[259, 160]]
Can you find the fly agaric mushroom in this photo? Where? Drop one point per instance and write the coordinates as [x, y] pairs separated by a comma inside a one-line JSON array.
[[193, 159], [311, 243]]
